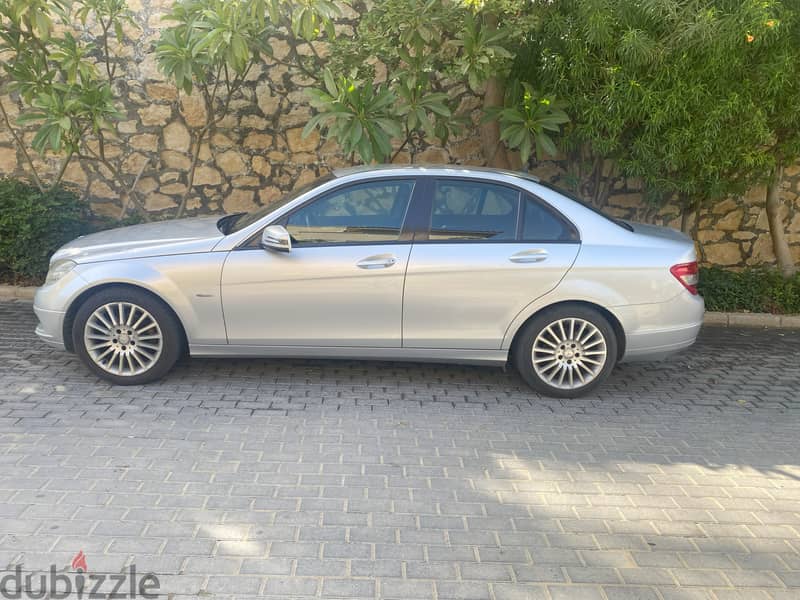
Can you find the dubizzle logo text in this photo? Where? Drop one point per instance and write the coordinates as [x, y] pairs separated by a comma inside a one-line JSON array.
[[59, 584]]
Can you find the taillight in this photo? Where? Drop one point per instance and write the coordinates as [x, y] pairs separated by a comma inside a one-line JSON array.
[[688, 274]]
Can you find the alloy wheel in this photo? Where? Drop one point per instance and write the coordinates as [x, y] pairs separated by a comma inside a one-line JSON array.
[[569, 353], [123, 338]]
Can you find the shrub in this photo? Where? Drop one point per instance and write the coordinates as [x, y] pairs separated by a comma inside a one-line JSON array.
[[750, 290], [33, 225]]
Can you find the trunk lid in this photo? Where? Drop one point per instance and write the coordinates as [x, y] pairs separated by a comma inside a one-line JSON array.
[[656, 231]]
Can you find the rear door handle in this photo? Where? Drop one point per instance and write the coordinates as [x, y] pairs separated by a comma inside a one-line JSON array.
[[379, 261], [529, 256]]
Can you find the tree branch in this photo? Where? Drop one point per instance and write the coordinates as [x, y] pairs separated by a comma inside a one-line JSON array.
[[34, 175], [106, 51], [132, 188], [63, 169], [118, 178]]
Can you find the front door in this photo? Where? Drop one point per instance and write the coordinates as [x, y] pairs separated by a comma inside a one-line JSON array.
[[342, 282], [490, 250]]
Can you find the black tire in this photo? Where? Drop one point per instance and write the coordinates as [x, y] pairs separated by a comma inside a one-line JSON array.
[[171, 343], [546, 383]]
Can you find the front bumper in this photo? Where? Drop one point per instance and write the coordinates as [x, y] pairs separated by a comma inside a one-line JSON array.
[[51, 303], [51, 326], [654, 331]]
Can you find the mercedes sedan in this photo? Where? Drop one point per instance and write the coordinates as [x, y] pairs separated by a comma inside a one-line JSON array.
[[442, 264]]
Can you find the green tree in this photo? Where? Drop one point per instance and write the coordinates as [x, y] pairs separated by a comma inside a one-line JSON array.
[[702, 133], [66, 98], [213, 46], [651, 93], [773, 70], [699, 99], [387, 90]]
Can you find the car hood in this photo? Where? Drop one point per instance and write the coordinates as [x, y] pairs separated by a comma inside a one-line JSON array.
[[182, 236]]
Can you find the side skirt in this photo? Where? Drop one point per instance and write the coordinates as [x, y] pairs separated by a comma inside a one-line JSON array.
[[446, 355]]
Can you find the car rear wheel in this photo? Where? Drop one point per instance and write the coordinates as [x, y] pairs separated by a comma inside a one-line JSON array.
[[126, 336], [566, 352]]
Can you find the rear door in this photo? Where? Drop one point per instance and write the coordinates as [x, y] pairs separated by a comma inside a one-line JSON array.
[[485, 252]]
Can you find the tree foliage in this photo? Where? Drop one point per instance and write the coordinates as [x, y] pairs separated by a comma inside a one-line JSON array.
[[213, 42], [655, 87], [699, 100], [213, 45], [417, 51], [359, 116], [65, 82], [33, 224], [528, 123]]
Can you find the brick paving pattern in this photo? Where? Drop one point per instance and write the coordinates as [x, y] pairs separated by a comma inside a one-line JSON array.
[[322, 479]]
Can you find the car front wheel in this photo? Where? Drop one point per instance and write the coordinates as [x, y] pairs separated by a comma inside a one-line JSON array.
[[126, 336], [566, 352]]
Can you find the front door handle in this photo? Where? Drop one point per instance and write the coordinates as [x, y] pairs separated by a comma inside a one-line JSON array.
[[379, 261], [529, 256]]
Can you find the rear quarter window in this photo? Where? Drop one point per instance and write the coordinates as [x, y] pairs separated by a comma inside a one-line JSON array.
[[542, 224]]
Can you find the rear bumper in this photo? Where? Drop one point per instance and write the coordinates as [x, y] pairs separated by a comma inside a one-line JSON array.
[[654, 331]]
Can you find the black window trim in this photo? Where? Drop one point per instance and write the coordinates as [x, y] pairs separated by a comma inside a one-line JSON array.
[[406, 236], [423, 213]]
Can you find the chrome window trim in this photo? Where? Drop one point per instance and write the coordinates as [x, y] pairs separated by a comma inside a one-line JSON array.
[[521, 181], [280, 219]]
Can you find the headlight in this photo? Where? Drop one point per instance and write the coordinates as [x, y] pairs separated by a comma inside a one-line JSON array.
[[58, 270]]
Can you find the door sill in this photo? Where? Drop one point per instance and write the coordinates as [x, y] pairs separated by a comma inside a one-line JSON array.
[[450, 355]]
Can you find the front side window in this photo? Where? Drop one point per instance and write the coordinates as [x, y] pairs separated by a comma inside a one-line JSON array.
[[473, 210], [364, 213], [234, 223]]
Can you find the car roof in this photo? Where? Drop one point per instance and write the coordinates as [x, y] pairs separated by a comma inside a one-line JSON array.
[[432, 169]]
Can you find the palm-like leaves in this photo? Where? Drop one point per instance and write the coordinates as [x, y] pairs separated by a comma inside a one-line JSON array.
[[529, 123], [482, 50], [112, 13], [311, 17], [422, 109], [212, 35], [73, 57], [57, 77], [66, 113], [359, 116]]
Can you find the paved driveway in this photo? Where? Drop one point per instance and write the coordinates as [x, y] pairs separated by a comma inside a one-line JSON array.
[[293, 479]]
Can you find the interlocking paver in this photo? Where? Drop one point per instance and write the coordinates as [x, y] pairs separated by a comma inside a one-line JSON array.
[[300, 479]]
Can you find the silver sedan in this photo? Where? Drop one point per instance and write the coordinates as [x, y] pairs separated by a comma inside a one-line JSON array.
[[441, 264]]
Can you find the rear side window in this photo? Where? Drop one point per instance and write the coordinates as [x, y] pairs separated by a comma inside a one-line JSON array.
[[473, 210], [541, 224]]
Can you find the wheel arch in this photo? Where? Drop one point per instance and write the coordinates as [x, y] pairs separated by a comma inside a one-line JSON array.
[[78, 301], [616, 325]]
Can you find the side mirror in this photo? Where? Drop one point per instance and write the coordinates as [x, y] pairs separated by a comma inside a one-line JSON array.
[[275, 237]]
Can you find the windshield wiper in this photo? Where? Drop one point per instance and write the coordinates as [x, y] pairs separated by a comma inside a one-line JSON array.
[[624, 224]]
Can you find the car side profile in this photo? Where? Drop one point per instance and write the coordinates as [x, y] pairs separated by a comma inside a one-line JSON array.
[[412, 263]]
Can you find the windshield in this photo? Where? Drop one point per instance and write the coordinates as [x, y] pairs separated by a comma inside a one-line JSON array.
[[594, 209], [233, 223]]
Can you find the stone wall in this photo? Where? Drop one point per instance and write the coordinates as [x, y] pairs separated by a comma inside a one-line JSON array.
[[730, 233], [257, 153]]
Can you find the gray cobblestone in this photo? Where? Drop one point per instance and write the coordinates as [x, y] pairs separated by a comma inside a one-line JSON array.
[[406, 589], [292, 586], [300, 479]]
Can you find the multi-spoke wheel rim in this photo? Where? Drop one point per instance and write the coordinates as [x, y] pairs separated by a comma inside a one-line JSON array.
[[123, 339], [569, 353]]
